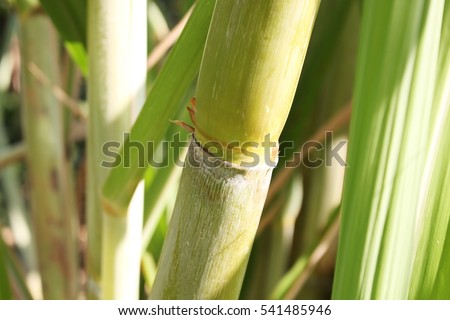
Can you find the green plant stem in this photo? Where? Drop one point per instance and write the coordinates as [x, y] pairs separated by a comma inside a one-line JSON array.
[[282, 234], [161, 104], [198, 244], [117, 39], [43, 130], [11, 155], [244, 92], [248, 95]]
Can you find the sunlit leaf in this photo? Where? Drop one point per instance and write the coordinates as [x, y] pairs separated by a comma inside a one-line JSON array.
[[430, 276], [162, 103], [389, 138]]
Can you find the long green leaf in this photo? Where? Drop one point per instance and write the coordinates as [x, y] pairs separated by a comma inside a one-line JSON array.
[[430, 275], [161, 186], [182, 64], [389, 137], [51, 198]]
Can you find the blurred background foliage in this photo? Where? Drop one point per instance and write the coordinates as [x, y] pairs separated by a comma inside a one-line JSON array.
[[294, 254]]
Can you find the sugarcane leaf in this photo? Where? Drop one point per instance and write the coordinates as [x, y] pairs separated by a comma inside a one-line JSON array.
[[389, 139], [430, 275], [162, 103], [79, 55], [159, 189]]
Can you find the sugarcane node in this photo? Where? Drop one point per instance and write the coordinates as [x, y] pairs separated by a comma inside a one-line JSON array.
[[227, 148]]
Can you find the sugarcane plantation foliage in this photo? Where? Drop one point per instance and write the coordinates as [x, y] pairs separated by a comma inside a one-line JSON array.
[[225, 149]]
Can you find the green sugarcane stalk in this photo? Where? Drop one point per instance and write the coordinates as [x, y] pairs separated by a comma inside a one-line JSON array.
[[117, 40], [250, 68], [162, 103], [282, 234], [54, 219]]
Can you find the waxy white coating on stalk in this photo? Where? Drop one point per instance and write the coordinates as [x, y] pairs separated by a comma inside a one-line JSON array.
[[212, 229]]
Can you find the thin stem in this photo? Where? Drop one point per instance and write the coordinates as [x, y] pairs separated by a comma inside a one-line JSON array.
[[12, 154], [117, 51], [54, 217], [207, 247], [293, 281], [161, 48], [57, 91], [315, 257], [244, 93]]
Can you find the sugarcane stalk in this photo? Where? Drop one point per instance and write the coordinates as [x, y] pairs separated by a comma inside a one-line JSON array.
[[250, 68], [117, 39], [162, 103], [54, 219]]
